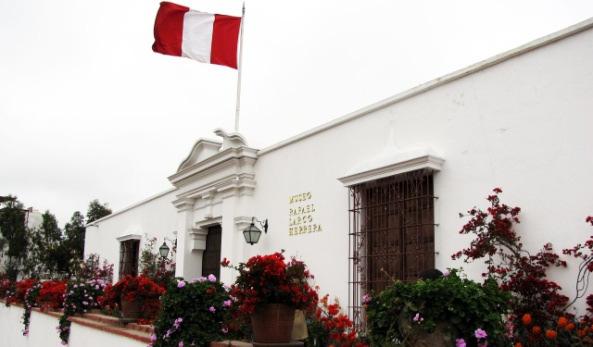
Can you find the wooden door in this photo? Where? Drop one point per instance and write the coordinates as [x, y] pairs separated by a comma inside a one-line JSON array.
[[128, 258], [211, 258]]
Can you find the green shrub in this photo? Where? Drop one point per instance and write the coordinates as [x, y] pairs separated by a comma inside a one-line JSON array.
[[451, 306], [193, 313]]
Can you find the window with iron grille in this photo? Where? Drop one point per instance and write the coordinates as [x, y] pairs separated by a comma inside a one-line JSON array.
[[391, 234], [128, 258]]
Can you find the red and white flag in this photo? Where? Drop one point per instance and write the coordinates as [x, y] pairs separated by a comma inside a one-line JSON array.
[[205, 37]]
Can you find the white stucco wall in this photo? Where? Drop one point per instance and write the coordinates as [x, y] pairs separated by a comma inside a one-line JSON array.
[[523, 125], [42, 332], [154, 217]]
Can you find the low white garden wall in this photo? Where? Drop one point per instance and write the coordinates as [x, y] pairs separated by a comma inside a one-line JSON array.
[[42, 332]]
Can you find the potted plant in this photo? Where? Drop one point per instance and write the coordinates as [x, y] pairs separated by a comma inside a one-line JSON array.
[[136, 297], [269, 290], [194, 313]]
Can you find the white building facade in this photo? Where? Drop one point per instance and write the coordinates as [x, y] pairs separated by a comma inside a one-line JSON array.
[[382, 187]]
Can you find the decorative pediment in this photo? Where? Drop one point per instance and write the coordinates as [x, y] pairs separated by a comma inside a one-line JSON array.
[[201, 150], [392, 161], [129, 236]]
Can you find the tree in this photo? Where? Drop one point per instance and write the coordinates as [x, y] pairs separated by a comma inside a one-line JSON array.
[[46, 251], [75, 232], [97, 211], [14, 234], [50, 231]]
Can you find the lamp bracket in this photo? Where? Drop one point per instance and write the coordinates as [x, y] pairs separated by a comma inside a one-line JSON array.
[[263, 224]]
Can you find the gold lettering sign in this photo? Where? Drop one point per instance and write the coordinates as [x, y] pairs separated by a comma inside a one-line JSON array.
[[301, 215]]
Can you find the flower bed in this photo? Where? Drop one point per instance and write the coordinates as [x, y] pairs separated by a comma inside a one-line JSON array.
[[51, 295]]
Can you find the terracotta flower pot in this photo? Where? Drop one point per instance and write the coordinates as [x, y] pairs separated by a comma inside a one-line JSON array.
[[131, 310], [272, 323]]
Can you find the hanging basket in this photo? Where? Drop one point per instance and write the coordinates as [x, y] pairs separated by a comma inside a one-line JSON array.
[[272, 323]]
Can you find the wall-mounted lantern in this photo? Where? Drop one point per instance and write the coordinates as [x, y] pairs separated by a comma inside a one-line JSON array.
[[253, 233], [164, 250]]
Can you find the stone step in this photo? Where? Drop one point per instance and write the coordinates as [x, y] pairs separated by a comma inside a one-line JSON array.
[[229, 343], [117, 322], [107, 325]]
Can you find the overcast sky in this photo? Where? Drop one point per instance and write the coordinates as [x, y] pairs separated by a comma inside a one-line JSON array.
[[87, 110]]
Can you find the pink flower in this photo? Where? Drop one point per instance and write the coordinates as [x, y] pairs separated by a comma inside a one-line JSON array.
[[211, 278], [459, 343], [212, 309], [180, 344], [180, 284], [227, 303], [418, 318], [480, 334]]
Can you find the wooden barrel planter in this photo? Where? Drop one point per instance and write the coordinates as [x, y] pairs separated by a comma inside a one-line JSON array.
[[130, 310], [272, 323]]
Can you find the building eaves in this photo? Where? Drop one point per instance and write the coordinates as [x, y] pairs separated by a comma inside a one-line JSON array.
[[125, 209]]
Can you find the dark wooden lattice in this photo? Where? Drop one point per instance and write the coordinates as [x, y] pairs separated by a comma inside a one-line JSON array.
[[391, 234]]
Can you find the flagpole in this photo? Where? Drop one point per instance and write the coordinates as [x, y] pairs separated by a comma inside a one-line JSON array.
[[239, 68]]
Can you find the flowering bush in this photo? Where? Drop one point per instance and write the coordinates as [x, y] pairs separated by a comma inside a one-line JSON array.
[[193, 313], [268, 279], [31, 294], [51, 294], [132, 288], [7, 288], [515, 270], [584, 252], [93, 269], [564, 331], [460, 310], [538, 316], [329, 326], [21, 288], [79, 298]]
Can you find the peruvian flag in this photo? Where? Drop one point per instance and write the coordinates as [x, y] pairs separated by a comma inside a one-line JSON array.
[[205, 37]]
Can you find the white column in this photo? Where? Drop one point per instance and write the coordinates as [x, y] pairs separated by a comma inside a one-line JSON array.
[[185, 208]]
